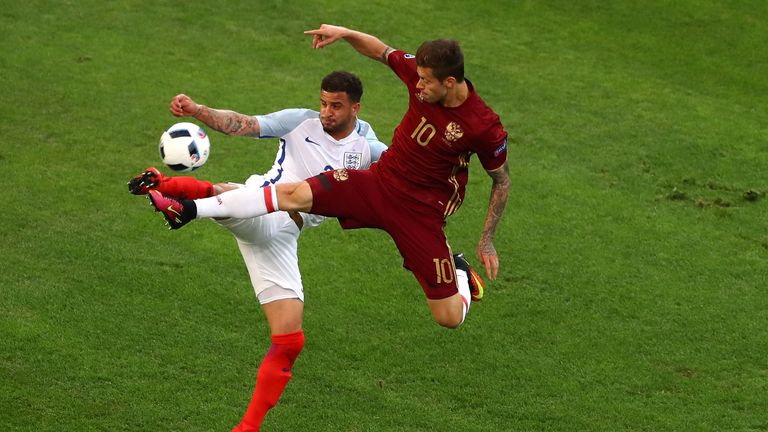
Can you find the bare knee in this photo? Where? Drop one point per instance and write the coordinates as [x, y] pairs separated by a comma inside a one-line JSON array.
[[284, 316], [450, 321], [447, 312]]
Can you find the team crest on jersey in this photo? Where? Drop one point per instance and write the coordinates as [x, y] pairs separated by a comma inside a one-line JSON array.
[[353, 160], [341, 174], [453, 132]]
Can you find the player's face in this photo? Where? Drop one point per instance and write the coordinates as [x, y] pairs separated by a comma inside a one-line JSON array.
[[431, 89], [337, 113]]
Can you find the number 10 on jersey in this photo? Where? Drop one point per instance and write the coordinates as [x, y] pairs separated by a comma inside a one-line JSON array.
[[444, 270], [423, 132]]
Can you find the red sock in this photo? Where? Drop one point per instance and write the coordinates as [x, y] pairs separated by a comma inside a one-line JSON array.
[[184, 187], [274, 374]]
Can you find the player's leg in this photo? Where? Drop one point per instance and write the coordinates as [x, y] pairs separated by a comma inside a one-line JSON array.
[[426, 253], [253, 202], [182, 187], [344, 200], [447, 291], [356, 197], [449, 312], [256, 181], [269, 248], [358, 200], [352, 196], [240, 203], [284, 317]]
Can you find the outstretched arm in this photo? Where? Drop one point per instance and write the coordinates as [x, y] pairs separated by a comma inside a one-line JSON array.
[[365, 44], [486, 252], [225, 121]]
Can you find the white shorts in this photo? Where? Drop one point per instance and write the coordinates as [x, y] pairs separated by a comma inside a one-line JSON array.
[[269, 246]]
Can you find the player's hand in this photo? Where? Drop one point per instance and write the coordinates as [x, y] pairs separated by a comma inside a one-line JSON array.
[[183, 106], [326, 35], [486, 253], [142, 183]]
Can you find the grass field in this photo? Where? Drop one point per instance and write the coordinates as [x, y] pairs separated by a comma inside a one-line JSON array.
[[632, 294]]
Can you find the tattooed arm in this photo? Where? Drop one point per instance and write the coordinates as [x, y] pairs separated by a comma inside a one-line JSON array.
[[225, 121], [486, 252]]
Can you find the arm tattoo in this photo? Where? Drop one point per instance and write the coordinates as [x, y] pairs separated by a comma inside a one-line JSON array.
[[498, 200], [228, 122]]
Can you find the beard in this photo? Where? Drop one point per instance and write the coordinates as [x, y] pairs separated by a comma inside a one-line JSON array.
[[335, 127]]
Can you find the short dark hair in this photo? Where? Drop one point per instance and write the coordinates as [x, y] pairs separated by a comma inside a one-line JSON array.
[[341, 81], [444, 57]]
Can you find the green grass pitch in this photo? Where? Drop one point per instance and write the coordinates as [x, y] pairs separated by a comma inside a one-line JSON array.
[[634, 248]]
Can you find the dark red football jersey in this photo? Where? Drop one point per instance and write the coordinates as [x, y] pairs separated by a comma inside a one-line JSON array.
[[429, 157]]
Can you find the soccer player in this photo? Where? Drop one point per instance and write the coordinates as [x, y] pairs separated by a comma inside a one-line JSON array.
[[310, 143], [418, 182]]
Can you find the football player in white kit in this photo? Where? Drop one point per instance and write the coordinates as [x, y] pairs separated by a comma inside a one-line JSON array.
[[310, 143]]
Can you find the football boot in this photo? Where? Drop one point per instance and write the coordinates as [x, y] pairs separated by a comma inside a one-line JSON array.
[[476, 287], [175, 212], [142, 183]]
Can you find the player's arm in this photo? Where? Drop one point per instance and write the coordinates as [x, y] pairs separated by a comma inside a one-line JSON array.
[[486, 252], [224, 121], [282, 122], [365, 44]]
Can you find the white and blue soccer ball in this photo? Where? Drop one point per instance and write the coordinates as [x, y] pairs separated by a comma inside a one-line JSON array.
[[184, 147]]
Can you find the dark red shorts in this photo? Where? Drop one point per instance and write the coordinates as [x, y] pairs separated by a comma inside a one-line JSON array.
[[360, 200]]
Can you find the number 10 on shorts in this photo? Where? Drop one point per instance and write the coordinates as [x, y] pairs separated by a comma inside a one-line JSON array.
[[444, 270]]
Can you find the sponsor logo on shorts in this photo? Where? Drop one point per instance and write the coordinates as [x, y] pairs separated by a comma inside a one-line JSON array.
[[352, 160], [453, 132], [341, 174]]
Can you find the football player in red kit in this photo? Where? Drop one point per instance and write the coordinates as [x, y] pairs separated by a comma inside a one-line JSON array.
[[418, 182]]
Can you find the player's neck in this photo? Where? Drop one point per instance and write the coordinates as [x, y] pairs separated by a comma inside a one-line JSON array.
[[340, 135], [456, 96]]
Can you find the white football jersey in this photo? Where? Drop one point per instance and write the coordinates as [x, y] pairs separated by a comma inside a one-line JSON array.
[[306, 150]]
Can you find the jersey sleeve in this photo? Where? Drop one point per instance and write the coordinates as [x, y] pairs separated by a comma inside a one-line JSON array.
[[365, 130], [492, 150], [404, 65], [279, 123]]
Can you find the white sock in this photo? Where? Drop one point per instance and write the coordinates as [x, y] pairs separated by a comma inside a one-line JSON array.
[[462, 282], [239, 203]]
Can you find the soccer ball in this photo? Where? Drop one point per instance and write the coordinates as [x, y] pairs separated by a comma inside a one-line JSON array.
[[184, 147]]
